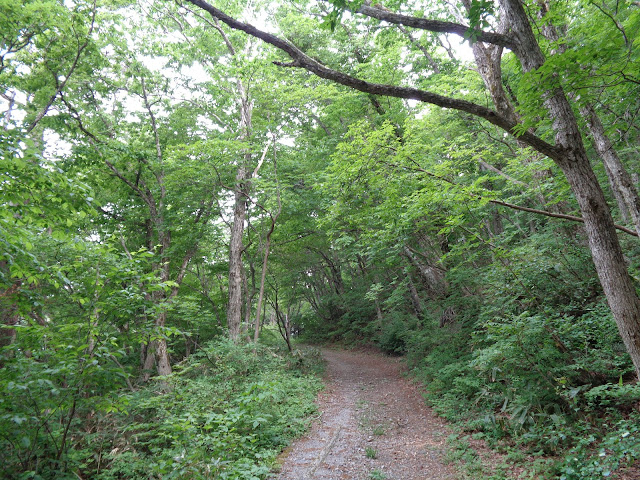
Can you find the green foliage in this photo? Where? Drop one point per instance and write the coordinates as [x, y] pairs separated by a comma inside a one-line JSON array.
[[371, 452], [151, 125], [395, 332], [595, 458], [71, 354], [227, 414], [377, 475]]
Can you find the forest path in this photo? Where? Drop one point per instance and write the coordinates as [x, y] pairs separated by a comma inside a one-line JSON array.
[[369, 409]]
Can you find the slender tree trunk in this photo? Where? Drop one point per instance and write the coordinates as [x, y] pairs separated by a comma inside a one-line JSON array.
[[9, 316], [8, 320], [619, 176], [415, 298], [94, 318], [267, 246], [163, 363], [234, 309], [617, 194], [263, 276], [284, 327], [336, 275]]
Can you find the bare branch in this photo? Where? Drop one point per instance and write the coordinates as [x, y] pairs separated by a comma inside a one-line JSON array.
[[420, 47], [261, 161], [501, 173], [183, 269]]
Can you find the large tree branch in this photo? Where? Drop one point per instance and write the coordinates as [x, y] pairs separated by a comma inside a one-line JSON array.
[[300, 59], [436, 26]]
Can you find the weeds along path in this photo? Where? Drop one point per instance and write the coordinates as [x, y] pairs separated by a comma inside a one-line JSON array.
[[373, 424]]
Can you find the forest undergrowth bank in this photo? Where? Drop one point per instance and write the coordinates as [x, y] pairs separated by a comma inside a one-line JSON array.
[[225, 413]]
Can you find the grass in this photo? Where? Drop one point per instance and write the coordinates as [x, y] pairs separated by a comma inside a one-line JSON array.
[[371, 452], [377, 475]]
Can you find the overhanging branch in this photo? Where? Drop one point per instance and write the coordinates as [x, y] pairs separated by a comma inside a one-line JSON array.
[[436, 26], [301, 60], [512, 206]]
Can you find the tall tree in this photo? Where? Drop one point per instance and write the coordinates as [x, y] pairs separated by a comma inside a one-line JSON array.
[[568, 151]]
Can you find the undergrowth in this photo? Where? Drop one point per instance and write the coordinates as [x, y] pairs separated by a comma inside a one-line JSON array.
[[225, 413], [552, 394]]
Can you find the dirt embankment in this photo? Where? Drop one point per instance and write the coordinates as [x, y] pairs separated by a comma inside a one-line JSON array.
[[373, 425]]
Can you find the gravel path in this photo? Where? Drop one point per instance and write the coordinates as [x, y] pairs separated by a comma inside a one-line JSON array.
[[374, 425]]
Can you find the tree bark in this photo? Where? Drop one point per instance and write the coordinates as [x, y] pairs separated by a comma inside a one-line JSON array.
[[618, 174], [432, 278], [263, 275], [241, 192], [415, 298], [234, 309]]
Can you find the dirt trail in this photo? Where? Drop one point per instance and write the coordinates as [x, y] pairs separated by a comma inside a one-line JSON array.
[[369, 410]]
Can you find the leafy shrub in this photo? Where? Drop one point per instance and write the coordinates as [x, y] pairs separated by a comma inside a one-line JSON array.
[[395, 331], [227, 414], [593, 458]]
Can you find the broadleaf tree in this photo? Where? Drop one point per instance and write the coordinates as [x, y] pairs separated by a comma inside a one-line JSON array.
[[558, 137]]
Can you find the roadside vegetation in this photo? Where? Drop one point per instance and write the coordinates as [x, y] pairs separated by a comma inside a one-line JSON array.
[[226, 412]]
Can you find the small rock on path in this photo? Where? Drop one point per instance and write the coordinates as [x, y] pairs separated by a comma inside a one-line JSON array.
[[369, 410]]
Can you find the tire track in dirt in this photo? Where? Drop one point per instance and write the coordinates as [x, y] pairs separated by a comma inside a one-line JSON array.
[[369, 410]]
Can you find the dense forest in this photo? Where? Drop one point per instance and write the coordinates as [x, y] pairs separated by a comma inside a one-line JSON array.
[[190, 190]]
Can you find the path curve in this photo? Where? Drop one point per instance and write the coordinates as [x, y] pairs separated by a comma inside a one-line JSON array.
[[369, 410]]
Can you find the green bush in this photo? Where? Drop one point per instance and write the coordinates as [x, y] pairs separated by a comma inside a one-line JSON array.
[[227, 413], [594, 458], [395, 331]]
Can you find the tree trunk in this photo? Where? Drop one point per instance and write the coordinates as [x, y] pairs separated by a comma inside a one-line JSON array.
[[603, 240], [284, 326], [617, 194], [163, 363], [9, 315], [432, 277], [619, 176], [148, 360], [263, 277], [234, 309], [415, 298], [8, 320]]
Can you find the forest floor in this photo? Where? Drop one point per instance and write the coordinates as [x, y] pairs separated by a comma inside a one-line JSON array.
[[373, 425]]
